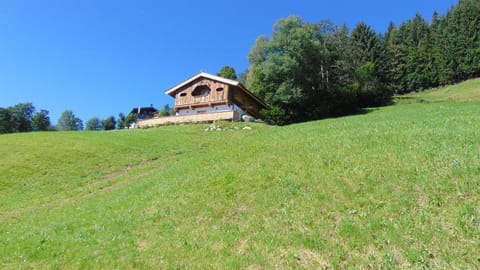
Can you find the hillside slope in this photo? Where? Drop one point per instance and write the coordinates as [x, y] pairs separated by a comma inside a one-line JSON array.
[[396, 187], [465, 91]]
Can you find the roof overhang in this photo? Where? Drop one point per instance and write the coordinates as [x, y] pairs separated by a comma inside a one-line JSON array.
[[172, 90]]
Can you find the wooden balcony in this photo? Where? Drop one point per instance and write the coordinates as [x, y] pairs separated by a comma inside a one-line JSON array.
[[203, 103]]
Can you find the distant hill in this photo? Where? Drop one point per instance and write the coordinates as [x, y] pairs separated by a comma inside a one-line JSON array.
[[397, 187]]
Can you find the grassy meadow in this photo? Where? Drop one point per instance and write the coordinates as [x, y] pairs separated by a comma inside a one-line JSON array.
[[395, 188], [462, 92]]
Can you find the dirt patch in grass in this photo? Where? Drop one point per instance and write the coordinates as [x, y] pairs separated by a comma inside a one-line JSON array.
[[310, 259]]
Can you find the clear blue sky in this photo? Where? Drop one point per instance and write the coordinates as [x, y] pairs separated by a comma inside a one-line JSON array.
[[102, 57]]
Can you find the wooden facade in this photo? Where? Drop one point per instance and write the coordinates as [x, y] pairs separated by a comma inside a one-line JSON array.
[[201, 93], [205, 97]]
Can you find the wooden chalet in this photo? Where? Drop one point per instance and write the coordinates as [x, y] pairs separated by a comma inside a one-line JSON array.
[[205, 98]]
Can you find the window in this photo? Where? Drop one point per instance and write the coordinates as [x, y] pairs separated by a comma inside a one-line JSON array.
[[183, 94], [201, 91], [220, 89]]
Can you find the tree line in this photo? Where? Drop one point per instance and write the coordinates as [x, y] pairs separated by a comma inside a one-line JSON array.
[[23, 117], [308, 71]]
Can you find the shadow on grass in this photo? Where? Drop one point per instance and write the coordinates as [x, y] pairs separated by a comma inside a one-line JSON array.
[[358, 111], [408, 100], [367, 110]]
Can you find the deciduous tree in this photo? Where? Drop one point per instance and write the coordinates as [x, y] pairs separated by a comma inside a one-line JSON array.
[[131, 118], [41, 121], [295, 72], [68, 121], [228, 72], [22, 117], [6, 125], [165, 111], [93, 124], [109, 123]]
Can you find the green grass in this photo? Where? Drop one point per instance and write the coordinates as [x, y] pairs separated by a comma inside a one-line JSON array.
[[395, 188], [465, 91]]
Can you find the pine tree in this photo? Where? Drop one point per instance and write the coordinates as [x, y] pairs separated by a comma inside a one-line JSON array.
[[121, 121]]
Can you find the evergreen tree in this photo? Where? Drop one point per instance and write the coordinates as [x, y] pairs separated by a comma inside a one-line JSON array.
[[369, 66], [365, 43], [419, 58], [343, 73], [396, 52], [121, 121], [459, 42], [410, 49]]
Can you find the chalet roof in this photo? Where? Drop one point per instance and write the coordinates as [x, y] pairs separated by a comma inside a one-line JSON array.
[[172, 90]]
